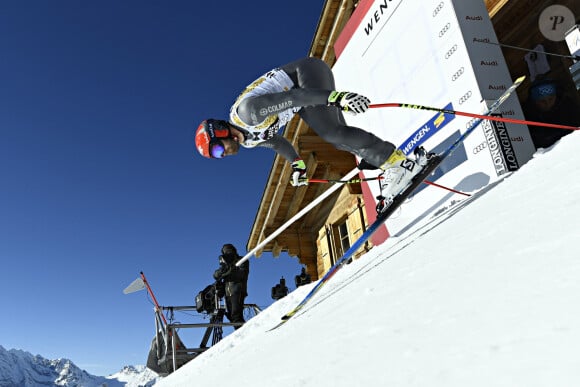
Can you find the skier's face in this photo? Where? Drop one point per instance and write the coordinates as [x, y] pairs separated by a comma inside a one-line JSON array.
[[546, 103], [228, 143], [231, 145]]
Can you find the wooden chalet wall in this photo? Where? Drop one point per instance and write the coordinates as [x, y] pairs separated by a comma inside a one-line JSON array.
[[516, 24], [348, 215], [313, 238]]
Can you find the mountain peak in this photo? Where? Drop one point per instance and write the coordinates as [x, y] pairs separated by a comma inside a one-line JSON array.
[[21, 368]]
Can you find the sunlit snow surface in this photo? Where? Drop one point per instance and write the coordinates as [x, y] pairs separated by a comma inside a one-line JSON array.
[[486, 295]]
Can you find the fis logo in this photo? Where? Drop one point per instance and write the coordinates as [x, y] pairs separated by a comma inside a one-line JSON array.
[[439, 120]]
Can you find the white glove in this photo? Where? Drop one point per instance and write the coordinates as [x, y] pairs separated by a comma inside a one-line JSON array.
[[298, 177], [348, 102]]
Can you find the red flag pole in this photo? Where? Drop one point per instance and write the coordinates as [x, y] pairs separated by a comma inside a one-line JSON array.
[[157, 307]]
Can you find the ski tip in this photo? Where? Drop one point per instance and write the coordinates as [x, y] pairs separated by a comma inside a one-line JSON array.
[[289, 315], [276, 326]]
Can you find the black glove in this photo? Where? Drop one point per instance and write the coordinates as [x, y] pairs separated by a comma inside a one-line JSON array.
[[223, 271]]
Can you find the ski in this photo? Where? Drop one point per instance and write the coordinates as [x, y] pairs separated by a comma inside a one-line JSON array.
[[398, 200], [381, 218]]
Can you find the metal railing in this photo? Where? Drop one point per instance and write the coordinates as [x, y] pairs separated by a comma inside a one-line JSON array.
[[169, 348]]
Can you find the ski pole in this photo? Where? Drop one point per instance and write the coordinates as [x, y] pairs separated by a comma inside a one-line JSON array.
[[352, 181], [473, 115], [575, 57]]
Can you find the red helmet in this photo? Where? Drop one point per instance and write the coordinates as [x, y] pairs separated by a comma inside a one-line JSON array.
[[208, 135]]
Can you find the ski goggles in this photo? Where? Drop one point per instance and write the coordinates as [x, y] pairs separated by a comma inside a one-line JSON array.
[[217, 150]]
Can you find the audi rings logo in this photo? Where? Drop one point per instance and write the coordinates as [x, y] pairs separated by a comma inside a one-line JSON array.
[[471, 122], [438, 9], [444, 29], [457, 74], [465, 97], [451, 51], [479, 148]]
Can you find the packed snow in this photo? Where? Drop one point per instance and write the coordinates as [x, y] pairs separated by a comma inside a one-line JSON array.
[[486, 294]]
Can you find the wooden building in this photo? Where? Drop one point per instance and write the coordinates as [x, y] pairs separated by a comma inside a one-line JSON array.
[[323, 234]]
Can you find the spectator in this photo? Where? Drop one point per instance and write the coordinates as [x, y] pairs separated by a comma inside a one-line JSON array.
[[280, 290], [236, 282], [546, 103], [303, 278]]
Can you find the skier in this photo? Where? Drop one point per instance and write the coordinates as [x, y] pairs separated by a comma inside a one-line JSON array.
[[236, 282], [306, 87]]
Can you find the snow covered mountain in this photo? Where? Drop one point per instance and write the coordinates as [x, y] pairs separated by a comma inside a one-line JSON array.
[[22, 369], [135, 376]]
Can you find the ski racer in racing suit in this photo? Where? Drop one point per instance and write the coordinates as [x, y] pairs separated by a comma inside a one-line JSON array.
[[305, 87]]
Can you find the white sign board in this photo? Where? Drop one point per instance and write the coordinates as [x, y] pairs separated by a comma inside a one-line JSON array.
[[433, 53]]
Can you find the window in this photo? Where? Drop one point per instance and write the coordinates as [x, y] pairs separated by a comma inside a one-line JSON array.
[[343, 235]]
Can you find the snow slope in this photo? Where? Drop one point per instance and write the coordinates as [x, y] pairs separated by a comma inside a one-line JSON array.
[[488, 297]]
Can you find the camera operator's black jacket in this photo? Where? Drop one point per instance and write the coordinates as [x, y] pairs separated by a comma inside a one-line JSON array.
[[236, 281], [236, 278]]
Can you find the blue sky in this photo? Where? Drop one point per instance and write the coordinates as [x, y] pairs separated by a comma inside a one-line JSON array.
[[99, 178]]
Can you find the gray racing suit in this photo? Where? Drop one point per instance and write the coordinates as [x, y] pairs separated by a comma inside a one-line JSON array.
[[302, 87]]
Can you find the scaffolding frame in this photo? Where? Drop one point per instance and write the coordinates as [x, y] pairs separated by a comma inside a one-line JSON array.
[[168, 341], [167, 352]]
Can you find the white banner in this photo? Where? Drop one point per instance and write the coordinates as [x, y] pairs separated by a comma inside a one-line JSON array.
[[432, 53]]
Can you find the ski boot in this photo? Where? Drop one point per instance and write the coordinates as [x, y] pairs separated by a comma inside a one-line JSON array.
[[399, 171]]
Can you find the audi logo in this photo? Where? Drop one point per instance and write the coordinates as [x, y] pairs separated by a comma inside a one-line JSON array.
[[444, 29], [451, 51], [468, 125], [479, 148], [438, 9], [457, 74], [465, 97]]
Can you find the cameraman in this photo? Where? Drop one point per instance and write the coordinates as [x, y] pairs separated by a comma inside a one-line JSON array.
[[303, 278], [236, 282]]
